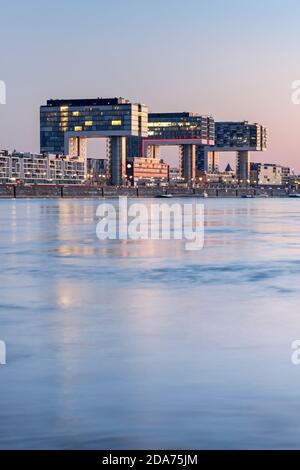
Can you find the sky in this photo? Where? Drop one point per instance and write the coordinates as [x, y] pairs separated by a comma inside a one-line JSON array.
[[233, 59]]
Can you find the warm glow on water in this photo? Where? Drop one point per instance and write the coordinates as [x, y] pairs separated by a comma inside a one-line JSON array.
[[145, 345]]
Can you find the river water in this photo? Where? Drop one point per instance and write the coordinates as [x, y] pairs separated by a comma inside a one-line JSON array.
[[142, 344]]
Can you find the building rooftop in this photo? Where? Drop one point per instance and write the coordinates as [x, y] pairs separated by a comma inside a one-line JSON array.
[[174, 115], [228, 168], [87, 102]]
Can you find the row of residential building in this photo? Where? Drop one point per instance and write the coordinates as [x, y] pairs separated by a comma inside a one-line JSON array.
[[45, 168], [39, 168]]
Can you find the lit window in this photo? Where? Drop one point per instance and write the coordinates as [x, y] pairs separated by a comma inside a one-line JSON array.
[[88, 123], [75, 113], [64, 108], [77, 128], [116, 123]]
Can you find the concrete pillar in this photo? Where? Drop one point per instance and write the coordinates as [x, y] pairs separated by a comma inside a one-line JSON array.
[[243, 166], [117, 160], [187, 162], [76, 147], [213, 162], [83, 147], [73, 147], [22, 171], [9, 160], [153, 151]]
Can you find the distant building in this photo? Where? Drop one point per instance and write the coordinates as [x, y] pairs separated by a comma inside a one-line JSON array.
[[97, 169], [181, 126], [184, 129], [269, 174], [286, 174], [40, 168], [65, 126], [294, 181], [141, 170], [228, 169], [240, 137], [227, 178], [174, 175]]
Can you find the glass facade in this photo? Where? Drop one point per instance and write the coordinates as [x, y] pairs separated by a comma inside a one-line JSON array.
[[232, 136], [89, 118], [132, 132], [181, 126], [170, 129], [241, 136]]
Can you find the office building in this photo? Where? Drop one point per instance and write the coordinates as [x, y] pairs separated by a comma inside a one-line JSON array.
[[132, 132], [65, 126], [185, 130], [240, 137]]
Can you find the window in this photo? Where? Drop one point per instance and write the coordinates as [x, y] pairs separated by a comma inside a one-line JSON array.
[[116, 123], [88, 123], [77, 128], [75, 113]]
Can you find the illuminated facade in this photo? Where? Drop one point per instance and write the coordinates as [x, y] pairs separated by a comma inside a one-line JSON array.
[[65, 126], [132, 132], [239, 137], [186, 130], [141, 170], [36, 168], [181, 126]]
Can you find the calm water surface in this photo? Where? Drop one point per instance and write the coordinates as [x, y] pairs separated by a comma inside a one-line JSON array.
[[120, 345]]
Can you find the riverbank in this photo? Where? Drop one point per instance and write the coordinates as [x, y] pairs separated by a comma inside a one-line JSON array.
[[80, 191]]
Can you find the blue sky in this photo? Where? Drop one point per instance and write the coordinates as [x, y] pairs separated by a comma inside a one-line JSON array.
[[235, 59]]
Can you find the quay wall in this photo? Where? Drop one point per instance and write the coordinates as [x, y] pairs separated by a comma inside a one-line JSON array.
[[81, 191]]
